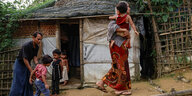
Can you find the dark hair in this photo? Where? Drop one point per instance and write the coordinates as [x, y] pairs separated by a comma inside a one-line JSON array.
[[122, 7], [57, 51], [47, 59], [35, 34]]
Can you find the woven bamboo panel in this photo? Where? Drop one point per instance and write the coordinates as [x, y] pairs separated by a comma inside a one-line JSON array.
[[175, 40], [7, 59], [26, 28], [48, 28]]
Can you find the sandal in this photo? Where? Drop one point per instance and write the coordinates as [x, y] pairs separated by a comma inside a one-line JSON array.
[[102, 89], [126, 93], [118, 92]]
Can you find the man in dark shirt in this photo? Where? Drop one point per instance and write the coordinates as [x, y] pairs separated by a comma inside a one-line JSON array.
[[22, 67]]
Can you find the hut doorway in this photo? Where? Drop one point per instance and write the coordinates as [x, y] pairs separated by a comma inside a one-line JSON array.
[[70, 44]]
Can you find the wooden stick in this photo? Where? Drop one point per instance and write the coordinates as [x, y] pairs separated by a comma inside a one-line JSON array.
[[176, 93], [81, 50], [157, 87], [180, 31]]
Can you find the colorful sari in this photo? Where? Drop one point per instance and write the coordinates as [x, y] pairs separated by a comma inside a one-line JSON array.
[[118, 76]]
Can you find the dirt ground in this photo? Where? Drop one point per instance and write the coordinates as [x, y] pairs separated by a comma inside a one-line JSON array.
[[141, 88]]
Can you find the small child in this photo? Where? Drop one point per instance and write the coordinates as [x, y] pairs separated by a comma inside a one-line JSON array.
[[40, 74], [123, 19], [65, 68], [56, 72]]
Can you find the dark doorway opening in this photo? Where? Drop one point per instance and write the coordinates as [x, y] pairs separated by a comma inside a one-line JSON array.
[[70, 43]]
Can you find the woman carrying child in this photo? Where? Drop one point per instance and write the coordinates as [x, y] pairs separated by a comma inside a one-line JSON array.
[[118, 77]]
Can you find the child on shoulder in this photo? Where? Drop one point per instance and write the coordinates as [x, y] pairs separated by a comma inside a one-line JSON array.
[[65, 68], [56, 72], [123, 19], [40, 74]]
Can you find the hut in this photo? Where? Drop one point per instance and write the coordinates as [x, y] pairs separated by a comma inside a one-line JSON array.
[[79, 27]]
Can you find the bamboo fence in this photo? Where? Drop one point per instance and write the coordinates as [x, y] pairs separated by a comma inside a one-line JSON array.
[[174, 39], [7, 59]]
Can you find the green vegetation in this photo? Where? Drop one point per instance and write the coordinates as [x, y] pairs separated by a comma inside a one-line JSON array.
[[161, 8], [10, 13]]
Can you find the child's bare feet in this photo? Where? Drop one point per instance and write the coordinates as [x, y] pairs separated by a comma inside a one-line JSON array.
[[65, 82]]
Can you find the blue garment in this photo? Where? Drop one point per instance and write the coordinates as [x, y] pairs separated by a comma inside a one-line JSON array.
[[20, 84], [40, 87]]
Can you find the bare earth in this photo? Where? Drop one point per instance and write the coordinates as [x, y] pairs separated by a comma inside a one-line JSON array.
[[141, 88]]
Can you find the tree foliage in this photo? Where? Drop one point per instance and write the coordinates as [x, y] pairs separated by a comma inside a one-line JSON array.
[[10, 13], [8, 17], [161, 8]]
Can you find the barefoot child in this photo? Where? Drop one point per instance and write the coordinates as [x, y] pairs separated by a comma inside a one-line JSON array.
[[40, 74], [56, 72], [123, 19], [65, 68]]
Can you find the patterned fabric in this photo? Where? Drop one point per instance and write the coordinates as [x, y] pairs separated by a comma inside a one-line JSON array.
[[40, 71], [118, 76]]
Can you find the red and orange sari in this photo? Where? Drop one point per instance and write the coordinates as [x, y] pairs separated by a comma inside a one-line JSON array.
[[118, 76]]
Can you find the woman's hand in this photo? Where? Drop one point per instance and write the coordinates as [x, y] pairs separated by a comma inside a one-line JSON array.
[[137, 33], [127, 34]]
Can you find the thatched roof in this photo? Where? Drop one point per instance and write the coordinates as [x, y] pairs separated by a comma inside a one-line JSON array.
[[75, 8]]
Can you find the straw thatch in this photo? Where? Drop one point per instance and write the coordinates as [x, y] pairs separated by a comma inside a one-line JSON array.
[[74, 8]]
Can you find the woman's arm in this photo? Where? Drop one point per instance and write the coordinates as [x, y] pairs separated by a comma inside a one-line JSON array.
[[132, 24], [125, 31]]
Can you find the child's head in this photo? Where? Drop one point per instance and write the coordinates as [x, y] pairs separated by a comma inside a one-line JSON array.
[[56, 54], [122, 7], [47, 60], [63, 55]]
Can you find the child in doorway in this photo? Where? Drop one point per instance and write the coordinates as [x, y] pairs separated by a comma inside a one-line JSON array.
[[56, 72], [123, 19], [40, 74], [65, 68]]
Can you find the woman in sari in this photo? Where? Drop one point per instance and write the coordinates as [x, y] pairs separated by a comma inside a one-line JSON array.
[[118, 77]]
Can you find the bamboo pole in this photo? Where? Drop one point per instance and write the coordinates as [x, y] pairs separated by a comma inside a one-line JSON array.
[[58, 35], [157, 44], [81, 50]]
